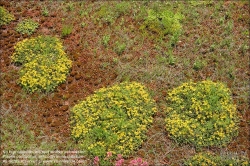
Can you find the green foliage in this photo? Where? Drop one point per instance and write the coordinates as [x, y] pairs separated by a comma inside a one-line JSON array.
[[163, 22], [105, 40], [83, 24], [215, 160], [199, 64], [202, 114], [66, 30], [5, 16], [45, 64], [174, 38], [121, 8], [27, 26], [171, 58], [244, 48], [114, 119], [83, 13], [140, 12], [17, 135], [104, 65], [70, 6], [196, 3], [45, 11], [120, 48], [107, 15], [161, 59]]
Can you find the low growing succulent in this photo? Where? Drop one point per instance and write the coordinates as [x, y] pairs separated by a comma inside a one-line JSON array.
[[202, 114], [163, 22], [216, 160], [114, 119], [45, 64], [5, 16], [27, 26]]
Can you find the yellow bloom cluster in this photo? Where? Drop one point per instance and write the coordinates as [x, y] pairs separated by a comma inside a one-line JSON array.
[[45, 64], [114, 119], [202, 114], [5, 16], [215, 160]]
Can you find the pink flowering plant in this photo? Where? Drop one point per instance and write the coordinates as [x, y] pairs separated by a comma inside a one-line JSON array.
[[138, 162], [96, 160], [118, 161], [109, 160]]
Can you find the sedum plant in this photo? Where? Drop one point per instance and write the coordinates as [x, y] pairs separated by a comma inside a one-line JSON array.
[[27, 26], [216, 160], [66, 30], [202, 114], [163, 22], [114, 119], [5, 16], [45, 64], [105, 15]]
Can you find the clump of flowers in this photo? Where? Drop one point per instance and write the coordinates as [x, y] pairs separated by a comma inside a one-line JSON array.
[[138, 162], [216, 160], [45, 64], [163, 21], [202, 114], [96, 160], [5, 16], [114, 119], [119, 160], [27, 26], [108, 160]]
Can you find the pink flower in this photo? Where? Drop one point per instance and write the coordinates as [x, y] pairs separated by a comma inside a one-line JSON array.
[[133, 162], [119, 162], [96, 160], [138, 162], [119, 156], [109, 154]]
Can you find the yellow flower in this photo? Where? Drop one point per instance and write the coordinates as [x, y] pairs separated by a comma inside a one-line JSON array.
[[123, 113], [44, 64], [201, 113]]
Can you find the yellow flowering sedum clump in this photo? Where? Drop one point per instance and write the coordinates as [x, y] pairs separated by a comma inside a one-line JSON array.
[[45, 64], [202, 114], [215, 160], [5, 16], [114, 119]]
